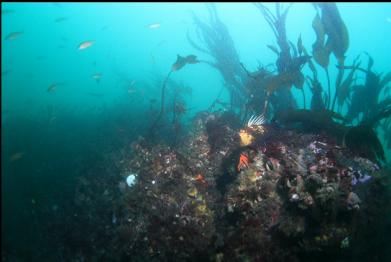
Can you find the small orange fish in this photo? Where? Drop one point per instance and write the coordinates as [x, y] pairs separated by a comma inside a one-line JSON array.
[[243, 161]]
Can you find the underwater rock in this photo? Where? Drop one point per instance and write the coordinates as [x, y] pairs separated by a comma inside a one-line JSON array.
[[292, 194], [353, 201]]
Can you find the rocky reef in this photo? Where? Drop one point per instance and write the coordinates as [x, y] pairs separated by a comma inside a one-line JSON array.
[[287, 196]]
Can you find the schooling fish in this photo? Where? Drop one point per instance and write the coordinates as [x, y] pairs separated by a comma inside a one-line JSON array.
[[97, 77], [7, 11], [16, 156], [132, 88], [132, 91], [52, 88], [154, 25], [13, 35], [60, 19], [51, 114], [132, 83], [85, 44]]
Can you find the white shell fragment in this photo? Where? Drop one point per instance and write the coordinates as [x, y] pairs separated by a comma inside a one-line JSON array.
[[131, 180]]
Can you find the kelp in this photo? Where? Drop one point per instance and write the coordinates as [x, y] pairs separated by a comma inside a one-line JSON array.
[[317, 100], [362, 139], [311, 65], [290, 61], [284, 60], [386, 126], [177, 65], [256, 90], [320, 51], [277, 24], [300, 47], [335, 28], [265, 85], [317, 103], [331, 37], [215, 40], [343, 91], [383, 110], [179, 109], [314, 121], [365, 98], [182, 61], [285, 80], [330, 24], [385, 79]]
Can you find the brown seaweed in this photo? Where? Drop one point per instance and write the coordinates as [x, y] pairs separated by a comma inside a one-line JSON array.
[[179, 63], [277, 23], [361, 139], [314, 121], [286, 79], [335, 29], [182, 61], [331, 24], [343, 91], [365, 98], [215, 40], [320, 51], [316, 99]]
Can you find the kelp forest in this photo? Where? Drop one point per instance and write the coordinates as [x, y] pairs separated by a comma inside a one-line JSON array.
[[287, 161]]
